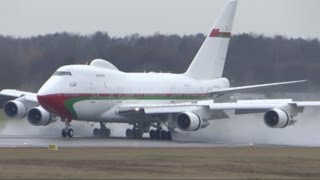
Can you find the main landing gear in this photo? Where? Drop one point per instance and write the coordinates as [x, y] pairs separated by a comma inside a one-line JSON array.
[[136, 132], [139, 128], [103, 131], [67, 131], [160, 134]]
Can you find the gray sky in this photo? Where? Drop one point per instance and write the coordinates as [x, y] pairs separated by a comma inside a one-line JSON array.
[[293, 18]]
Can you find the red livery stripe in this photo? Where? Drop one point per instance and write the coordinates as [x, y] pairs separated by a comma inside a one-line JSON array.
[[217, 33]]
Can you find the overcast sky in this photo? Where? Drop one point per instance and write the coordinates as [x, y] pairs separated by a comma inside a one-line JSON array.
[[23, 18]]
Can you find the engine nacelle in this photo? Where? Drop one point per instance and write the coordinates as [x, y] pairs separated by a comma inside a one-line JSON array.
[[15, 109], [38, 116], [189, 121], [277, 118]]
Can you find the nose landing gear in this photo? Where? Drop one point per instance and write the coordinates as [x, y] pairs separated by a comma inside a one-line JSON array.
[[67, 131]]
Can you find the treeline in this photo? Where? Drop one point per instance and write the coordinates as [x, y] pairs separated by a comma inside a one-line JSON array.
[[26, 63]]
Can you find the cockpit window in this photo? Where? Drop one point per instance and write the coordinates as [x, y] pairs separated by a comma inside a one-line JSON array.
[[62, 73]]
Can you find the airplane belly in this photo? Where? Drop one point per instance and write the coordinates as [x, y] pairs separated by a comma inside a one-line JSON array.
[[91, 110]]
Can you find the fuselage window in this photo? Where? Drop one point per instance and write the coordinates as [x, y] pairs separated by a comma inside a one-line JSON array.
[[62, 73], [100, 75]]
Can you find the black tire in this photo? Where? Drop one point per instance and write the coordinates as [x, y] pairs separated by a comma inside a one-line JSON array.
[[64, 133], [105, 132], [135, 133], [70, 133], [129, 133], [157, 134], [163, 135], [108, 132], [152, 134], [139, 134], [169, 136], [96, 132]]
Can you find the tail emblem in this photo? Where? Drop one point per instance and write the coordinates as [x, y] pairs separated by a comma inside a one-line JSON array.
[[217, 33]]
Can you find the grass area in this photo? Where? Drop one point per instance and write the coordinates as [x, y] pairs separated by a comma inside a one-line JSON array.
[[160, 163]]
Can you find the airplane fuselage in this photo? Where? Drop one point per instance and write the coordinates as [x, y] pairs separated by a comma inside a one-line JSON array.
[[84, 92]]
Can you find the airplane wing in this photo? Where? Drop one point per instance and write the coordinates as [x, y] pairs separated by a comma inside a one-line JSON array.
[[249, 106], [236, 89], [10, 94]]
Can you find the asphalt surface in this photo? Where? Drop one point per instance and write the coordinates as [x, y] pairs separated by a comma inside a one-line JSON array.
[[45, 141], [238, 131]]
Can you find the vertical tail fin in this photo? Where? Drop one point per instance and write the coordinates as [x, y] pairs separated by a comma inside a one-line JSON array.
[[210, 59]]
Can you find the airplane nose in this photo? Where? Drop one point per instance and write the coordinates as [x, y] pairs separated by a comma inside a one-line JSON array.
[[54, 104]]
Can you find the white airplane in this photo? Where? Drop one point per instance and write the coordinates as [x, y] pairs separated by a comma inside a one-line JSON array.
[[99, 92]]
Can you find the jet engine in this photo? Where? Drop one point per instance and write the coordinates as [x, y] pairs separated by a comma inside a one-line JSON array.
[[189, 121], [38, 116], [15, 109], [277, 118]]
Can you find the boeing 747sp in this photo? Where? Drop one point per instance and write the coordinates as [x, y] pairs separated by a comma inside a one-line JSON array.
[[154, 103]]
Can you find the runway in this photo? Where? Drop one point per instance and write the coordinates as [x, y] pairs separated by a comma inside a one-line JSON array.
[[241, 131], [45, 141]]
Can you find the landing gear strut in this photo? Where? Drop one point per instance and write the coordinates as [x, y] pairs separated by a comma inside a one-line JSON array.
[[67, 131], [103, 131]]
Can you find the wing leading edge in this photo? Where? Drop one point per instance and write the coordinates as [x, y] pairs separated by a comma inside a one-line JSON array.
[[11, 94]]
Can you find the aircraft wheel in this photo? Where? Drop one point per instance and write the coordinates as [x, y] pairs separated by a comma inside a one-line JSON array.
[[164, 135], [129, 133], [108, 131], [139, 134], [152, 134], [70, 133], [135, 133], [157, 134], [105, 132], [95, 132], [169, 136], [64, 133]]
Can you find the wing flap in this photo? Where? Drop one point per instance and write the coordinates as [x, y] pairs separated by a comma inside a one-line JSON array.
[[250, 104], [154, 108], [168, 110], [308, 103]]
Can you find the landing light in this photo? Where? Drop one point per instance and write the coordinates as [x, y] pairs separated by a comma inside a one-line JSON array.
[[137, 109]]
